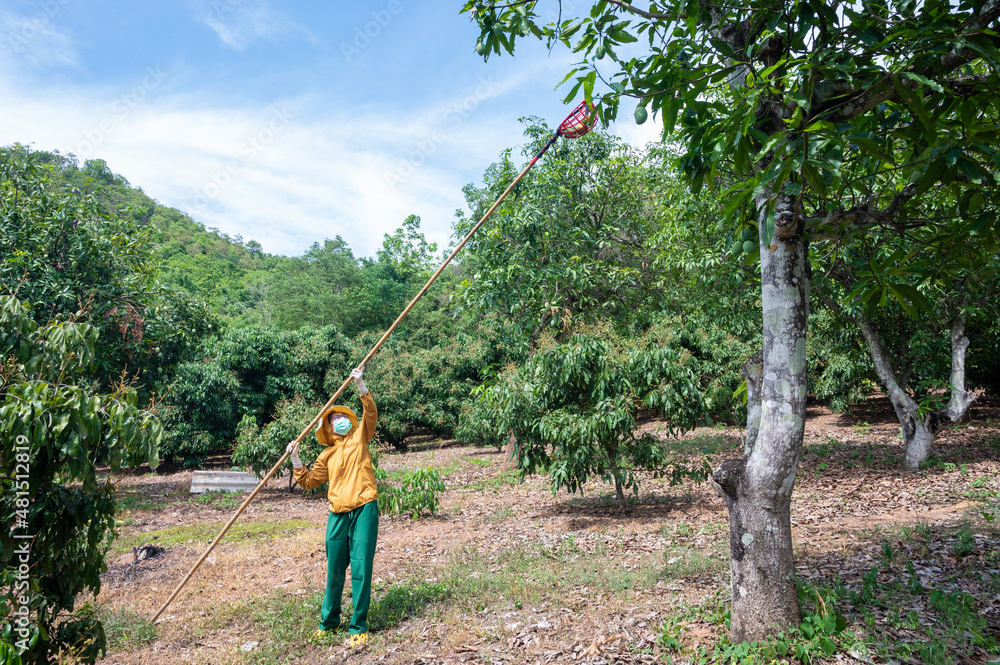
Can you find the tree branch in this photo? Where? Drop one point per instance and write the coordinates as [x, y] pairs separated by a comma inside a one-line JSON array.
[[861, 101], [508, 6], [903, 404], [862, 215]]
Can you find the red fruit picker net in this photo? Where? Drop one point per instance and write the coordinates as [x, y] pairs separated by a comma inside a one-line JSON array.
[[579, 122]]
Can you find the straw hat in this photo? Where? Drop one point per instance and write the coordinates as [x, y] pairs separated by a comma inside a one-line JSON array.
[[325, 433]]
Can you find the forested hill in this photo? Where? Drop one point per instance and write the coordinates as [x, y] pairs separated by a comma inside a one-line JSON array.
[[222, 271]]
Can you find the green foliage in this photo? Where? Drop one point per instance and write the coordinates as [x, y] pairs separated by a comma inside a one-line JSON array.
[[424, 385], [199, 412], [8, 654], [573, 409], [722, 91], [246, 373], [840, 367], [914, 327], [956, 625], [717, 357], [868, 132], [570, 245], [317, 289], [417, 491], [219, 499], [127, 630], [821, 634], [421, 384], [57, 429], [258, 448], [330, 286], [398, 602], [700, 277], [71, 258]]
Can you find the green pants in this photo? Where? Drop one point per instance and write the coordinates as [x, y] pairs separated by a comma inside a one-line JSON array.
[[350, 538]]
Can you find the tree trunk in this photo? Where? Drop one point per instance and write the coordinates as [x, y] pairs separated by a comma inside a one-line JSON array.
[[620, 494], [758, 488], [509, 454], [753, 373], [920, 429], [918, 439]]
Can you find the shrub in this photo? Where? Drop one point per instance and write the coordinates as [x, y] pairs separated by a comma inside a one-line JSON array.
[[258, 448], [57, 429], [573, 407], [418, 491]]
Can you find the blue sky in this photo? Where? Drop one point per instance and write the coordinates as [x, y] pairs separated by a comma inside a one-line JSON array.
[[286, 123]]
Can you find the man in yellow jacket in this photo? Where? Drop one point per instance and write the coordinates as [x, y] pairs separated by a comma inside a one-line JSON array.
[[352, 526]]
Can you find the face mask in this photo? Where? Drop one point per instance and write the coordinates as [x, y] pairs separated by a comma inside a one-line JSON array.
[[342, 426]]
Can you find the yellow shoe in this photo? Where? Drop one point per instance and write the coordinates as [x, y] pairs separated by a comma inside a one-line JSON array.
[[359, 640], [319, 636]]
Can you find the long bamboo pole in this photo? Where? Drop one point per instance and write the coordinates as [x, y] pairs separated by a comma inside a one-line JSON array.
[[343, 386]]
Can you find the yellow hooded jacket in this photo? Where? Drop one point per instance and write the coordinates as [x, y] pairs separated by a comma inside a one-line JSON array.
[[345, 462]]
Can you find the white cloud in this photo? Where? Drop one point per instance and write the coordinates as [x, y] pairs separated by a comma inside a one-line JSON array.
[[638, 135], [239, 23], [34, 41], [296, 171], [288, 175]]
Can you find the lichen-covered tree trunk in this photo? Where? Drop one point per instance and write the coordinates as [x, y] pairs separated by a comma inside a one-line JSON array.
[[758, 488], [920, 428], [918, 438], [753, 374]]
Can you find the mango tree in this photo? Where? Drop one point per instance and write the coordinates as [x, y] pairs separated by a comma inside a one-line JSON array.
[[573, 406], [56, 429], [570, 245], [914, 310], [779, 97]]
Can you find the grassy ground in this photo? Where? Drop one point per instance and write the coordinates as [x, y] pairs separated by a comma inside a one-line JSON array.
[[893, 567]]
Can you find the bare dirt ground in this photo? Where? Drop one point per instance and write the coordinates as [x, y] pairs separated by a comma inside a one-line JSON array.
[[508, 573]]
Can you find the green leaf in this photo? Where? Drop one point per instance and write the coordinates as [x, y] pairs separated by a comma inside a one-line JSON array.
[[569, 28], [868, 36], [920, 78], [983, 44], [907, 307], [768, 229], [769, 145], [931, 175], [907, 292], [692, 18], [800, 99], [970, 169], [622, 37], [673, 106]]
